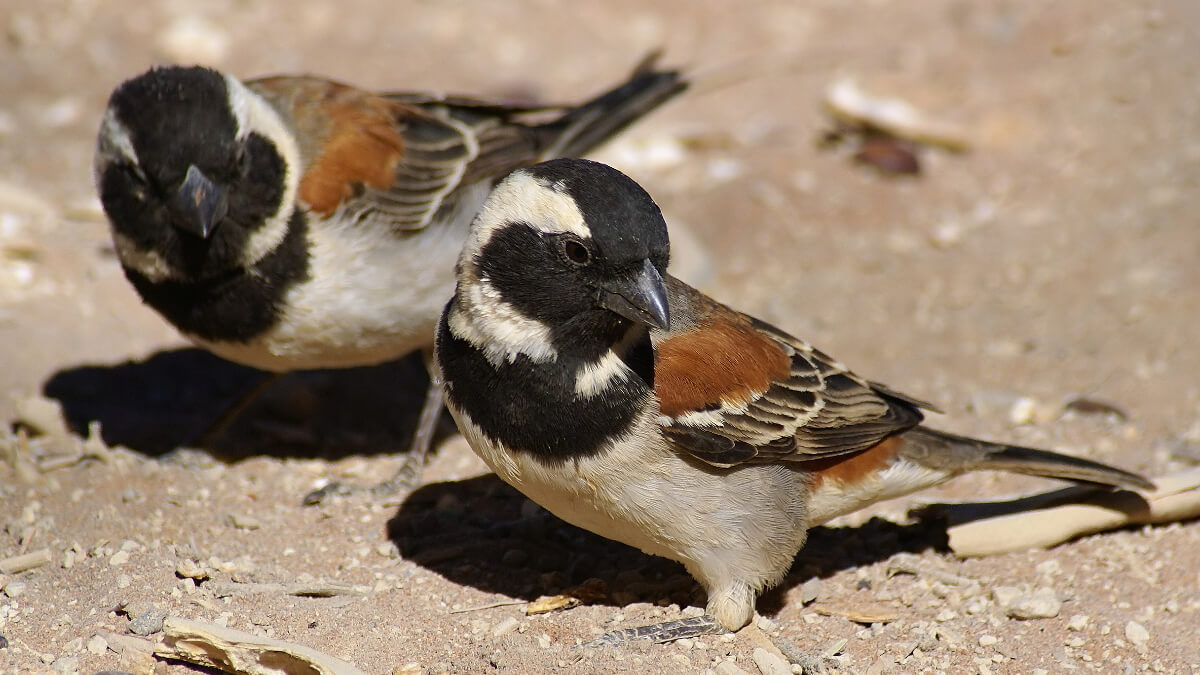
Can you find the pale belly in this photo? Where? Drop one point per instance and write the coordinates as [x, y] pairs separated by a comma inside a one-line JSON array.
[[743, 524], [372, 297]]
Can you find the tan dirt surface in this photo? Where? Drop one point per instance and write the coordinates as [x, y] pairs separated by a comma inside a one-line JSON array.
[[1057, 259]]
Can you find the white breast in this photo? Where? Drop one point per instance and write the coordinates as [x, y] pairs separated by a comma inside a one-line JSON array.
[[372, 296], [743, 525]]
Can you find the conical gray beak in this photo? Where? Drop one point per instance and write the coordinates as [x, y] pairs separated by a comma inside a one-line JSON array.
[[199, 204], [641, 298]]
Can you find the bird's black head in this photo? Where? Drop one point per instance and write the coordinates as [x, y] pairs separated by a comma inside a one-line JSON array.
[[195, 173], [572, 246]]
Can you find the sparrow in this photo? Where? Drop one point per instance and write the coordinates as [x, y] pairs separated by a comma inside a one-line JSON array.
[[632, 405], [294, 222]]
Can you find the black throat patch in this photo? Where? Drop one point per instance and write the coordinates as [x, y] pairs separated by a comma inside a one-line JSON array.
[[240, 305], [533, 408]]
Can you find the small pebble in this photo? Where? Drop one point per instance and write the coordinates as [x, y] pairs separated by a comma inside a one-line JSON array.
[[119, 558], [194, 39], [988, 640], [505, 627], [1042, 603], [1023, 411], [244, 522], [770, 664], [731, 668], [1137, 634], [190, 569], [97, 645], [148, 622], [810, 590], [1078, 622], [67, 665], [766, 625], [14, 588]]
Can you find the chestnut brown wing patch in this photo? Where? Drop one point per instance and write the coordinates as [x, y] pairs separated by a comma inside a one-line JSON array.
[[722, 364], [850, 469], [363, 149], [735, 390]]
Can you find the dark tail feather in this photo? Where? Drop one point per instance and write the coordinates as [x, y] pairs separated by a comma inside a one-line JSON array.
[[594, 122], [945, 451]]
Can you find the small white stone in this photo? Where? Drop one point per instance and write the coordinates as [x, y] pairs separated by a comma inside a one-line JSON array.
[[14, 588], [97, 645], [765, 624], [1042, 603], [1005, 595], [505, 627], [1023, 411], [119, 558], [730, 668], [1049, 568], [194, 39], [1137, 634], [988, 640], [1078, 622], [947, 235], [770, 664], [244, 522]]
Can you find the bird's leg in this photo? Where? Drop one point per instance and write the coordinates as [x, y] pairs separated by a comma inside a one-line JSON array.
[[408, 476], [232, 412], [667, 631]]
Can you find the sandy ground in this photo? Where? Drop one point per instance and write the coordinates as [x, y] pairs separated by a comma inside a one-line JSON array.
[[1056, 259]]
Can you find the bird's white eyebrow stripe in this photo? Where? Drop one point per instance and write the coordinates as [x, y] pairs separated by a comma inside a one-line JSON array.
[[523, 198], [115, 143]]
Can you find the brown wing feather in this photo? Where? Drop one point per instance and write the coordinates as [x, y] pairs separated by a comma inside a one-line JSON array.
[[400, 159], [733, 389]]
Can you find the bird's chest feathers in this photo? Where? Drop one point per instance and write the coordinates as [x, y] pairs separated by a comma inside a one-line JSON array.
[[608, 493], [557, 411], [373, 295]]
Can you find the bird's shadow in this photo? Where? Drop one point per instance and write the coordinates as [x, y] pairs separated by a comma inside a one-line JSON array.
[[167, 400], [482, 533]]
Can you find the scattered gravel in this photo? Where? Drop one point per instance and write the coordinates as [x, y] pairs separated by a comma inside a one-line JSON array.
[[1062, 267]]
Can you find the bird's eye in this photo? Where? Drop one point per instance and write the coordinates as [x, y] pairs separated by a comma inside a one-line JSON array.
[[576, 252]]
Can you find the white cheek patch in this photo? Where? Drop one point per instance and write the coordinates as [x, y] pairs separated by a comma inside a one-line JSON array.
[[494, 326], [255, 115], [521, 198], [114, 144]]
